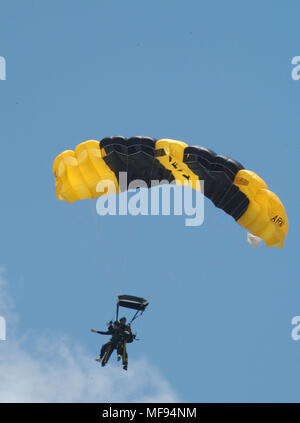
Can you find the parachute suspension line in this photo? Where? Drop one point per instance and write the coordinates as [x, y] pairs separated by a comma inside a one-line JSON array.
[[128, 226], [106, 265], [129, 301], [125, 252], [126, 237], [136, 316]]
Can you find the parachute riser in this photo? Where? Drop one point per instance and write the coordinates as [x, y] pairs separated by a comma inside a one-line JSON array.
[[136, 315]]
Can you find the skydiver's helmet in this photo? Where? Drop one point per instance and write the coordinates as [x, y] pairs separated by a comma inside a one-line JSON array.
[[123, 320], [116, 323]]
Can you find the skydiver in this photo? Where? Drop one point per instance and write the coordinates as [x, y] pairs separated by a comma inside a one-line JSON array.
[[127, 337], [117, 337]]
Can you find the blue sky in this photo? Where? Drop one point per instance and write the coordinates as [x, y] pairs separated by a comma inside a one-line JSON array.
[[209, 73]]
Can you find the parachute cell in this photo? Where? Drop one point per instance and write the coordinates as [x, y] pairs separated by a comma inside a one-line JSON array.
[[239, 192]]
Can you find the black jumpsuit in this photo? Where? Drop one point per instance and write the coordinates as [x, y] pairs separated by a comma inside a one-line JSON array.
[[127, 337], [112, 344]]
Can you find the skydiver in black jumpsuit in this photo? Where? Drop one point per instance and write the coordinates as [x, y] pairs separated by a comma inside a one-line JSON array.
[[117, 337], [127, 337]]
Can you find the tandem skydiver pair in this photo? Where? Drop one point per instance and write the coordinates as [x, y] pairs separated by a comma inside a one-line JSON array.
[[121, 333]]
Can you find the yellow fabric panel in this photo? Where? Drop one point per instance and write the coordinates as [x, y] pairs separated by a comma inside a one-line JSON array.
[[265, 216], [173, 161], [92, 166], [78, 173], [70, 185]]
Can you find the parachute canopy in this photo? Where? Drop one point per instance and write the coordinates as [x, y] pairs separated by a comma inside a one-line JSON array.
[[239, 192]]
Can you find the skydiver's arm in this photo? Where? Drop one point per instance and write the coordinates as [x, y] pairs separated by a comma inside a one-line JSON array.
[[101, 332]]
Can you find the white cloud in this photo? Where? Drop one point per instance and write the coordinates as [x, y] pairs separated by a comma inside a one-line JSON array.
[[57, 370]]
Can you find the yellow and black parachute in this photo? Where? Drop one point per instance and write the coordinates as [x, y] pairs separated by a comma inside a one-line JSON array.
[[239, 192]]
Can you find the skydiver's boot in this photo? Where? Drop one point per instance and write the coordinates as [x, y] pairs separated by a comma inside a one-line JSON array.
[[99, 358], [125, 367], [119, 357]]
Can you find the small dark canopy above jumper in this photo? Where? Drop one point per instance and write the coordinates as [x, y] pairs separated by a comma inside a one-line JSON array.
[[129, 301]]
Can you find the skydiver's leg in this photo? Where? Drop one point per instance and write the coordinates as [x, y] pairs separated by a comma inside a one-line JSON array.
[[119, 351], [103, 349], [125, 356], [108, 353]]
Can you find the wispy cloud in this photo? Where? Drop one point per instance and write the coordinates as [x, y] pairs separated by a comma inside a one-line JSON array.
[[57, 370]]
